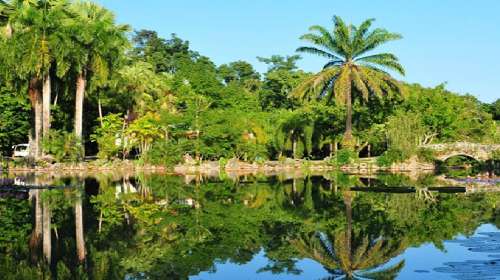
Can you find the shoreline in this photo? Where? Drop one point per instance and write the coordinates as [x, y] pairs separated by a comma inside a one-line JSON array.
[[361, 166]]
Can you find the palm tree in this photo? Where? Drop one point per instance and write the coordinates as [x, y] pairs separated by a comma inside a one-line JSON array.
[[294, 129], [342, 254], [34, 30], [99, 45], [79, 230], [351, 69]]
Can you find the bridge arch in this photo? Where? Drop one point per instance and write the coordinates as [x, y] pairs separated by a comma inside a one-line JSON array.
[[478, 152], [452, 155]]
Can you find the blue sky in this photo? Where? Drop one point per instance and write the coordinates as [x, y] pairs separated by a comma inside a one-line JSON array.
[[453, 41]]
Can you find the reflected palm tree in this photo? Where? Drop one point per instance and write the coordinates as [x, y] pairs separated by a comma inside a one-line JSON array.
[[36, 235], [47, 232], [80, 240], [346, 256]]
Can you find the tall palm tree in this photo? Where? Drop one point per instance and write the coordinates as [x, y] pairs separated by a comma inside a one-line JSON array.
[[344, 255], [351, 69], [99, 45], [34, 29]]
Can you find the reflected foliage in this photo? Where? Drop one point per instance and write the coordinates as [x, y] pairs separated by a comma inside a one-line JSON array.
[[150, 226]]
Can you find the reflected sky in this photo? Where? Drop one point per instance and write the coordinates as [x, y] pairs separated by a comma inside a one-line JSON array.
[[155, 226]]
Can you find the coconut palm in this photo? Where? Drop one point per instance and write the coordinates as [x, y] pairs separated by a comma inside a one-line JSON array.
[[352, 70], [99, 43], [344, 255]]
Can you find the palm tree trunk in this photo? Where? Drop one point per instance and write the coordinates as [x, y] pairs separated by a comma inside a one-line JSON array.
[[348, 121], [36, 235], [80, 240], [80, 94], [36, 107], [47, 235], [46, 105], [348, 213]]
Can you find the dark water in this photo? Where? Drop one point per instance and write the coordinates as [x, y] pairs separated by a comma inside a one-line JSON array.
[[140, 226]]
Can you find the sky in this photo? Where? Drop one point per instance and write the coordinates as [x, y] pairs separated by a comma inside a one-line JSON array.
[[456, 42]]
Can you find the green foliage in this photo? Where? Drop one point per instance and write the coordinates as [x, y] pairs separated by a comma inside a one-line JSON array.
[[350, 72], [405, 132], [144, 131], [450, 117], [425, 155], [14, 120], [161, 96], [167, 153], [109, 137], [392, 156], [63, 146], [345, 157]]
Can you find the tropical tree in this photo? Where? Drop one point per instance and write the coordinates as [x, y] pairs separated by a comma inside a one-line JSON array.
[[33, 32], [351, 69], [347, 256], [100, 43]]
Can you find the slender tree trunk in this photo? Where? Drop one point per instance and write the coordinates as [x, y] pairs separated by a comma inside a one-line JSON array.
[[348, 233], [80, 94], [294, 146], [99, 107], [331, 149], [47, 235], [80, 240], [8, 30], [100, 222], [348, 122], [36, 107], [46, 105], [36, 235]]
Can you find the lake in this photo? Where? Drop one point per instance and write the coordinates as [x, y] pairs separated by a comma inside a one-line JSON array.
[[288, 226]]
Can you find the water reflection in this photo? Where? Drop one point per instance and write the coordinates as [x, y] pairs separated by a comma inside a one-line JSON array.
[[152, 226]]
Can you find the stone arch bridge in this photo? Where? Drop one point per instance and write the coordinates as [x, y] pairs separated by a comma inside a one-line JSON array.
[[476, 151]]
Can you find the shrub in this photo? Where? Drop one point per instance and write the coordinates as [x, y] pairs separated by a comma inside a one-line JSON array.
[[63, 146], [343, 157], [109, 137], [164, 153], [425, 155], [391, 156]]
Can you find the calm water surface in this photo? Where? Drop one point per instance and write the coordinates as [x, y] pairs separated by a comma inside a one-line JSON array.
[[147, 226]]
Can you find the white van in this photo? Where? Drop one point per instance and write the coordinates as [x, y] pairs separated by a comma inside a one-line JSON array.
[[21, 150]]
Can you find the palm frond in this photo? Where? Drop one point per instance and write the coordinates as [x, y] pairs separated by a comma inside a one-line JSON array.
[[342, 36], [376, 38], [313, 87], [359, 84], [319, 52], [342, 86], [389, 273], [386, 60]]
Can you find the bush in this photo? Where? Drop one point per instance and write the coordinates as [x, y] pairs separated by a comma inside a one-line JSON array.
[[109, 137], [63, 146], [343, 157], [425, 155], [391, 156], [164, 153]]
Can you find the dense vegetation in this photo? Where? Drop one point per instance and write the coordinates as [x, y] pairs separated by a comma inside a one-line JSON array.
[[143, 229], [73, 84]]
